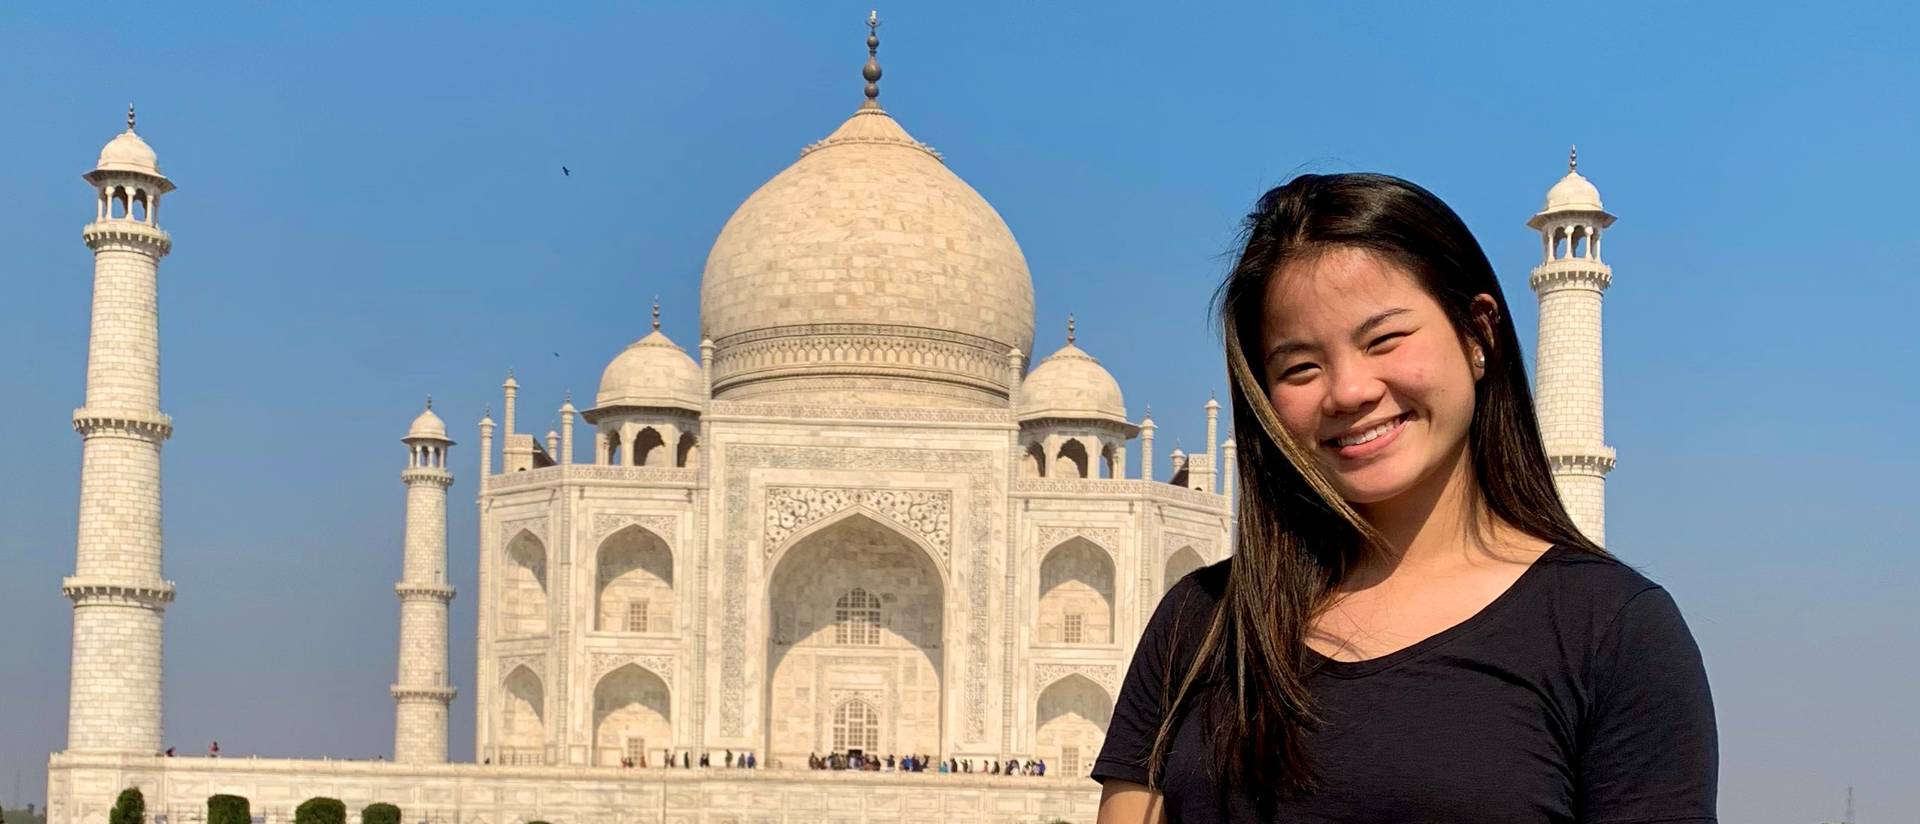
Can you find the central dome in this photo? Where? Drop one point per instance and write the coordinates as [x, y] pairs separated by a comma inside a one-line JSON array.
[[867, 272]]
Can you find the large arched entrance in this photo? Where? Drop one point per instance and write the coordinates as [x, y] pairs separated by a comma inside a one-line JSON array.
[[1071, 717], [854, 644], [632, 711]]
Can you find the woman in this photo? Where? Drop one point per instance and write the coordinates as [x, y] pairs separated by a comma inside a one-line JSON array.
[[1411, 627]]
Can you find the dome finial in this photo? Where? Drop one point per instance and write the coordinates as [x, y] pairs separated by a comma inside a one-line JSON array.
[[656, 313], [129, 117], [1573, 159], [1069, 328], [429, 400], [872, 70]]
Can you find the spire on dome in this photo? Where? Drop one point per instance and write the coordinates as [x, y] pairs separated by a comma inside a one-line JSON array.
[[656, 313], [1069, 328], [429, 400], [1573, 159], [129, 117], [872, 70]]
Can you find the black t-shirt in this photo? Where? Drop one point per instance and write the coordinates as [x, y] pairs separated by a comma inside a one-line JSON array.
[[1577, 695]]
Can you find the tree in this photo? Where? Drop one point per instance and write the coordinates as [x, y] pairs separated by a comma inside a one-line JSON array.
[[381, 813], [228, 809], [129, 808], [320, 811]]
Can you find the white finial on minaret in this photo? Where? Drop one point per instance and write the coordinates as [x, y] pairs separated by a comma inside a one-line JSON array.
[[566, 430], [1147, 429], [421, 693], [1569, 389], [118, 588]]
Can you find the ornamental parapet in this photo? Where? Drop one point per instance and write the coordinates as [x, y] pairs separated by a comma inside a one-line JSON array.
[[1588, 460], [144, 424], [437, 695], [426, 475], [422, 592], [1571, 273], [90, 591], [102, 234], [811, 412], [668, 476], [1104, 487]]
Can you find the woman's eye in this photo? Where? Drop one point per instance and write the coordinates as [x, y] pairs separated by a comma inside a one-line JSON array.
[[1298, 371], [1386, 340]]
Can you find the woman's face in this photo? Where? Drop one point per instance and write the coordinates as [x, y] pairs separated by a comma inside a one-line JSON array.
[[1367, 372]]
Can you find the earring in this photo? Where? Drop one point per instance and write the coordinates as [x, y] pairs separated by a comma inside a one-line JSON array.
[[1479, 359]]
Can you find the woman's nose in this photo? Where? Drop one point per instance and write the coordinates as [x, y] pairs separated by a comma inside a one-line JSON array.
[[1353, 389]]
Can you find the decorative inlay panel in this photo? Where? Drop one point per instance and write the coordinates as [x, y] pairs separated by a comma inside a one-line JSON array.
[[535, 663], [537, 526], [927, 513]]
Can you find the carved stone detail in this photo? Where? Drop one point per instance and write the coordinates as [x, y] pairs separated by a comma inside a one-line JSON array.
[[1106, 675], [536, 525], [926, 513], [607, 523], [1108, 538], [537, 664], [605, 662]]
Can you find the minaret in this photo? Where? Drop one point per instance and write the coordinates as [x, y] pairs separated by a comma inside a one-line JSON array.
[[1568, 390], [118, 591], [1213, 444], [421, 693], [1146, 445]]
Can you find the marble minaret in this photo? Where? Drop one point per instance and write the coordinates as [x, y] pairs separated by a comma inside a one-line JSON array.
[[421, 693], [1568, 389], [118, 591]]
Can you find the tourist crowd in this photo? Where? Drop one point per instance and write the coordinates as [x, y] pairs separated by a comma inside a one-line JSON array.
[[922, 763]]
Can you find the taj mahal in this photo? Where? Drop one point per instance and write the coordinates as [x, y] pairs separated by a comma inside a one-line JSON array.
[[857, 514]]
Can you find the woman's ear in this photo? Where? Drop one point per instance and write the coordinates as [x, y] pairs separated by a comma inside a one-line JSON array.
[[1485, 316]]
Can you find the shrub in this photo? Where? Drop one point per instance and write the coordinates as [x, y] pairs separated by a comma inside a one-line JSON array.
[[228, 809], [129, 808], [381, 813], [320, 811]]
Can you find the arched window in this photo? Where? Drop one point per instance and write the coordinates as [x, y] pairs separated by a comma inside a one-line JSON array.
[[856, 727], [856, 619]]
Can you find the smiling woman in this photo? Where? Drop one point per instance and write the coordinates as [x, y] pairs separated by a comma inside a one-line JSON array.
[[1411, 628]]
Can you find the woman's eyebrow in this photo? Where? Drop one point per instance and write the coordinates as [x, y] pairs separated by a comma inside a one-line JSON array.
[[1378, 318]]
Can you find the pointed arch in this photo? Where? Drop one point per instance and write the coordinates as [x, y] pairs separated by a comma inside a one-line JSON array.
[[1179, 564], [632, 711], [1076, 594], [633, 583], [1035, 463], [1071, 716], [523, 588], [522, 734], [1072, 459], [645, 444], [863, 563]]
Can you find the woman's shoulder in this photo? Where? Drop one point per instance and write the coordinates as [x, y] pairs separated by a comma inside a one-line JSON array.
[[1602, 582]]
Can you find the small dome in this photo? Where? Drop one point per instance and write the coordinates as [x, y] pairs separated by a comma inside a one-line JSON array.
[[1071, 384], [652, 371], [428, 426], [126, 152], [1573, 193]]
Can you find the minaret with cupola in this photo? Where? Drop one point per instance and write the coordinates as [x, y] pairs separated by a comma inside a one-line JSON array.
[[118, 590], [421, 692], [1568, 388]]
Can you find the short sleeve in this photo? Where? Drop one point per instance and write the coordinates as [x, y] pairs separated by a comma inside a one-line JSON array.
[[1651, 751], [1138, 710]]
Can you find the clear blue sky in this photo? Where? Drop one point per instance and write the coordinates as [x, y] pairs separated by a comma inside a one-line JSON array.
[[371, 208]]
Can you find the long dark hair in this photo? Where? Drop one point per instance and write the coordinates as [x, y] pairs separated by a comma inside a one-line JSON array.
[[1297, 538]]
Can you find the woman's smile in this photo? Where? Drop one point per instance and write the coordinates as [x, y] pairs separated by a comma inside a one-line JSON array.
[[1369, 439]]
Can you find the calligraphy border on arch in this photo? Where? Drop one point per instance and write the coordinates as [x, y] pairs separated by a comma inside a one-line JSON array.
[[736, 465]]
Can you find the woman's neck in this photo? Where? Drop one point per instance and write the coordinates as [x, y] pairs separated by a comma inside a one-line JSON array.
[[1427, 527]]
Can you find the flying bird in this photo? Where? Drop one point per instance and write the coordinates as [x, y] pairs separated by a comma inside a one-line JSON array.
[[565, 172]]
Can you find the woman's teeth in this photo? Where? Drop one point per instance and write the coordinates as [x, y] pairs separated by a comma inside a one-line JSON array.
[[1382, 429]]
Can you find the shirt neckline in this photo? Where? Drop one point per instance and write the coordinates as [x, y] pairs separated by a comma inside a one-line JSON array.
[[1322, 665]]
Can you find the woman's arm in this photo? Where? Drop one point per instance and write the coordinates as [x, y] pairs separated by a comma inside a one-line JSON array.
[[1124, 802]]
